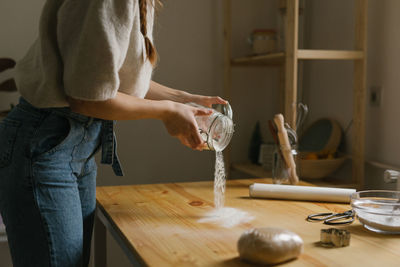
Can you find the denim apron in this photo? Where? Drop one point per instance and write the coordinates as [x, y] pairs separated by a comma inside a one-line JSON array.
[[48, 182]]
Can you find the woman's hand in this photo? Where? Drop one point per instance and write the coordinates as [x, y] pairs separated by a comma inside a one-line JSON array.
[[206, 101], [181, 123], [178, 118], [161, 92]]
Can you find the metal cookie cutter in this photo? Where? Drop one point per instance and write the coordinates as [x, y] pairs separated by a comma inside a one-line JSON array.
[[334, 237]]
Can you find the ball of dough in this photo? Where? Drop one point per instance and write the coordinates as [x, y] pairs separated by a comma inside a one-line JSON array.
[[269, 245]]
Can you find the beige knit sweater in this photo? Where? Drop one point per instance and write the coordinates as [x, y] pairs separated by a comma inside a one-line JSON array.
[[86, 49]]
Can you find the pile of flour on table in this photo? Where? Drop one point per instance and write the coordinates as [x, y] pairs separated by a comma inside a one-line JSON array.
[[220, 215]]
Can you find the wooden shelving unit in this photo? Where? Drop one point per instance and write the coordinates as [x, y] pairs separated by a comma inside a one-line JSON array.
[[254, 170], [302, 54], [257, 171], [288, 61]]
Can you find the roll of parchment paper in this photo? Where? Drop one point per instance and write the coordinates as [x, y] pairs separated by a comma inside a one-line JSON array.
[[295, 192]]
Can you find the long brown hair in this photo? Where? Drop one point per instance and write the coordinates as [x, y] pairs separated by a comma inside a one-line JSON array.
[[150, 48]]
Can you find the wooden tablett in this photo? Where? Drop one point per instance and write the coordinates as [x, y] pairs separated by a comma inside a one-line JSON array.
[[159, 223]]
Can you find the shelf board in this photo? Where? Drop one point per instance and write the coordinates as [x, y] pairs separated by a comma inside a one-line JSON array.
[[273, 59], [257, 171], [267, 59], [310, 54]]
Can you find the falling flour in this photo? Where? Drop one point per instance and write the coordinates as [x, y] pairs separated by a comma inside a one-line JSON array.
[[223, 216], [219, 180]]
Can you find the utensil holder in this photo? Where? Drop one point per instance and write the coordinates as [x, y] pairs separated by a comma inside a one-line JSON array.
[[280, 171]]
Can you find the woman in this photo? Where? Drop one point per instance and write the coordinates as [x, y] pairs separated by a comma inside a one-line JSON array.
[[91, 65]]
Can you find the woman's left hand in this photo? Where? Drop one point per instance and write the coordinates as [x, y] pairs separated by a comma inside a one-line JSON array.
[[206, 101], [160, 92]]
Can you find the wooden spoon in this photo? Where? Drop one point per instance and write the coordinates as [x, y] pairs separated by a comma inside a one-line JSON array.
[[286, 148]]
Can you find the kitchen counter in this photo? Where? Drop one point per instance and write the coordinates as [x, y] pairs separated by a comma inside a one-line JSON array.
[[157, 225]]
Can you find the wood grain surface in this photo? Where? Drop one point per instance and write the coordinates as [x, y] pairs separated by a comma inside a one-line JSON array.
[[159, 223]]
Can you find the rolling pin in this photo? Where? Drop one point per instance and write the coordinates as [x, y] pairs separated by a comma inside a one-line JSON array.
[[286, 148], [295, 192]]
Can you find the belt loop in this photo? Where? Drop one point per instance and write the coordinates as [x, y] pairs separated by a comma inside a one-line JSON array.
[[89, 122]]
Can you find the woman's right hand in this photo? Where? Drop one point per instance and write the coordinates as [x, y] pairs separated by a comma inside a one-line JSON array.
[[178, 118], [181, 123]]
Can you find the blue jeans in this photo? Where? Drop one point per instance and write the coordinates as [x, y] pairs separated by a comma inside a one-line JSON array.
[[48, 183]]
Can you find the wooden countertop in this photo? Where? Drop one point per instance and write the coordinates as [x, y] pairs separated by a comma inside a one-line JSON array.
[[159, 224]]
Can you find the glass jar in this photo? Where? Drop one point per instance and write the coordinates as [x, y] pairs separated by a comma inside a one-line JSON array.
[[263, 41], [216, 130], [280, 171]]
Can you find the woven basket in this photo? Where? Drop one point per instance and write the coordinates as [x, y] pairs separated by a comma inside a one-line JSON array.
[[318, 168], [322, 136]]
